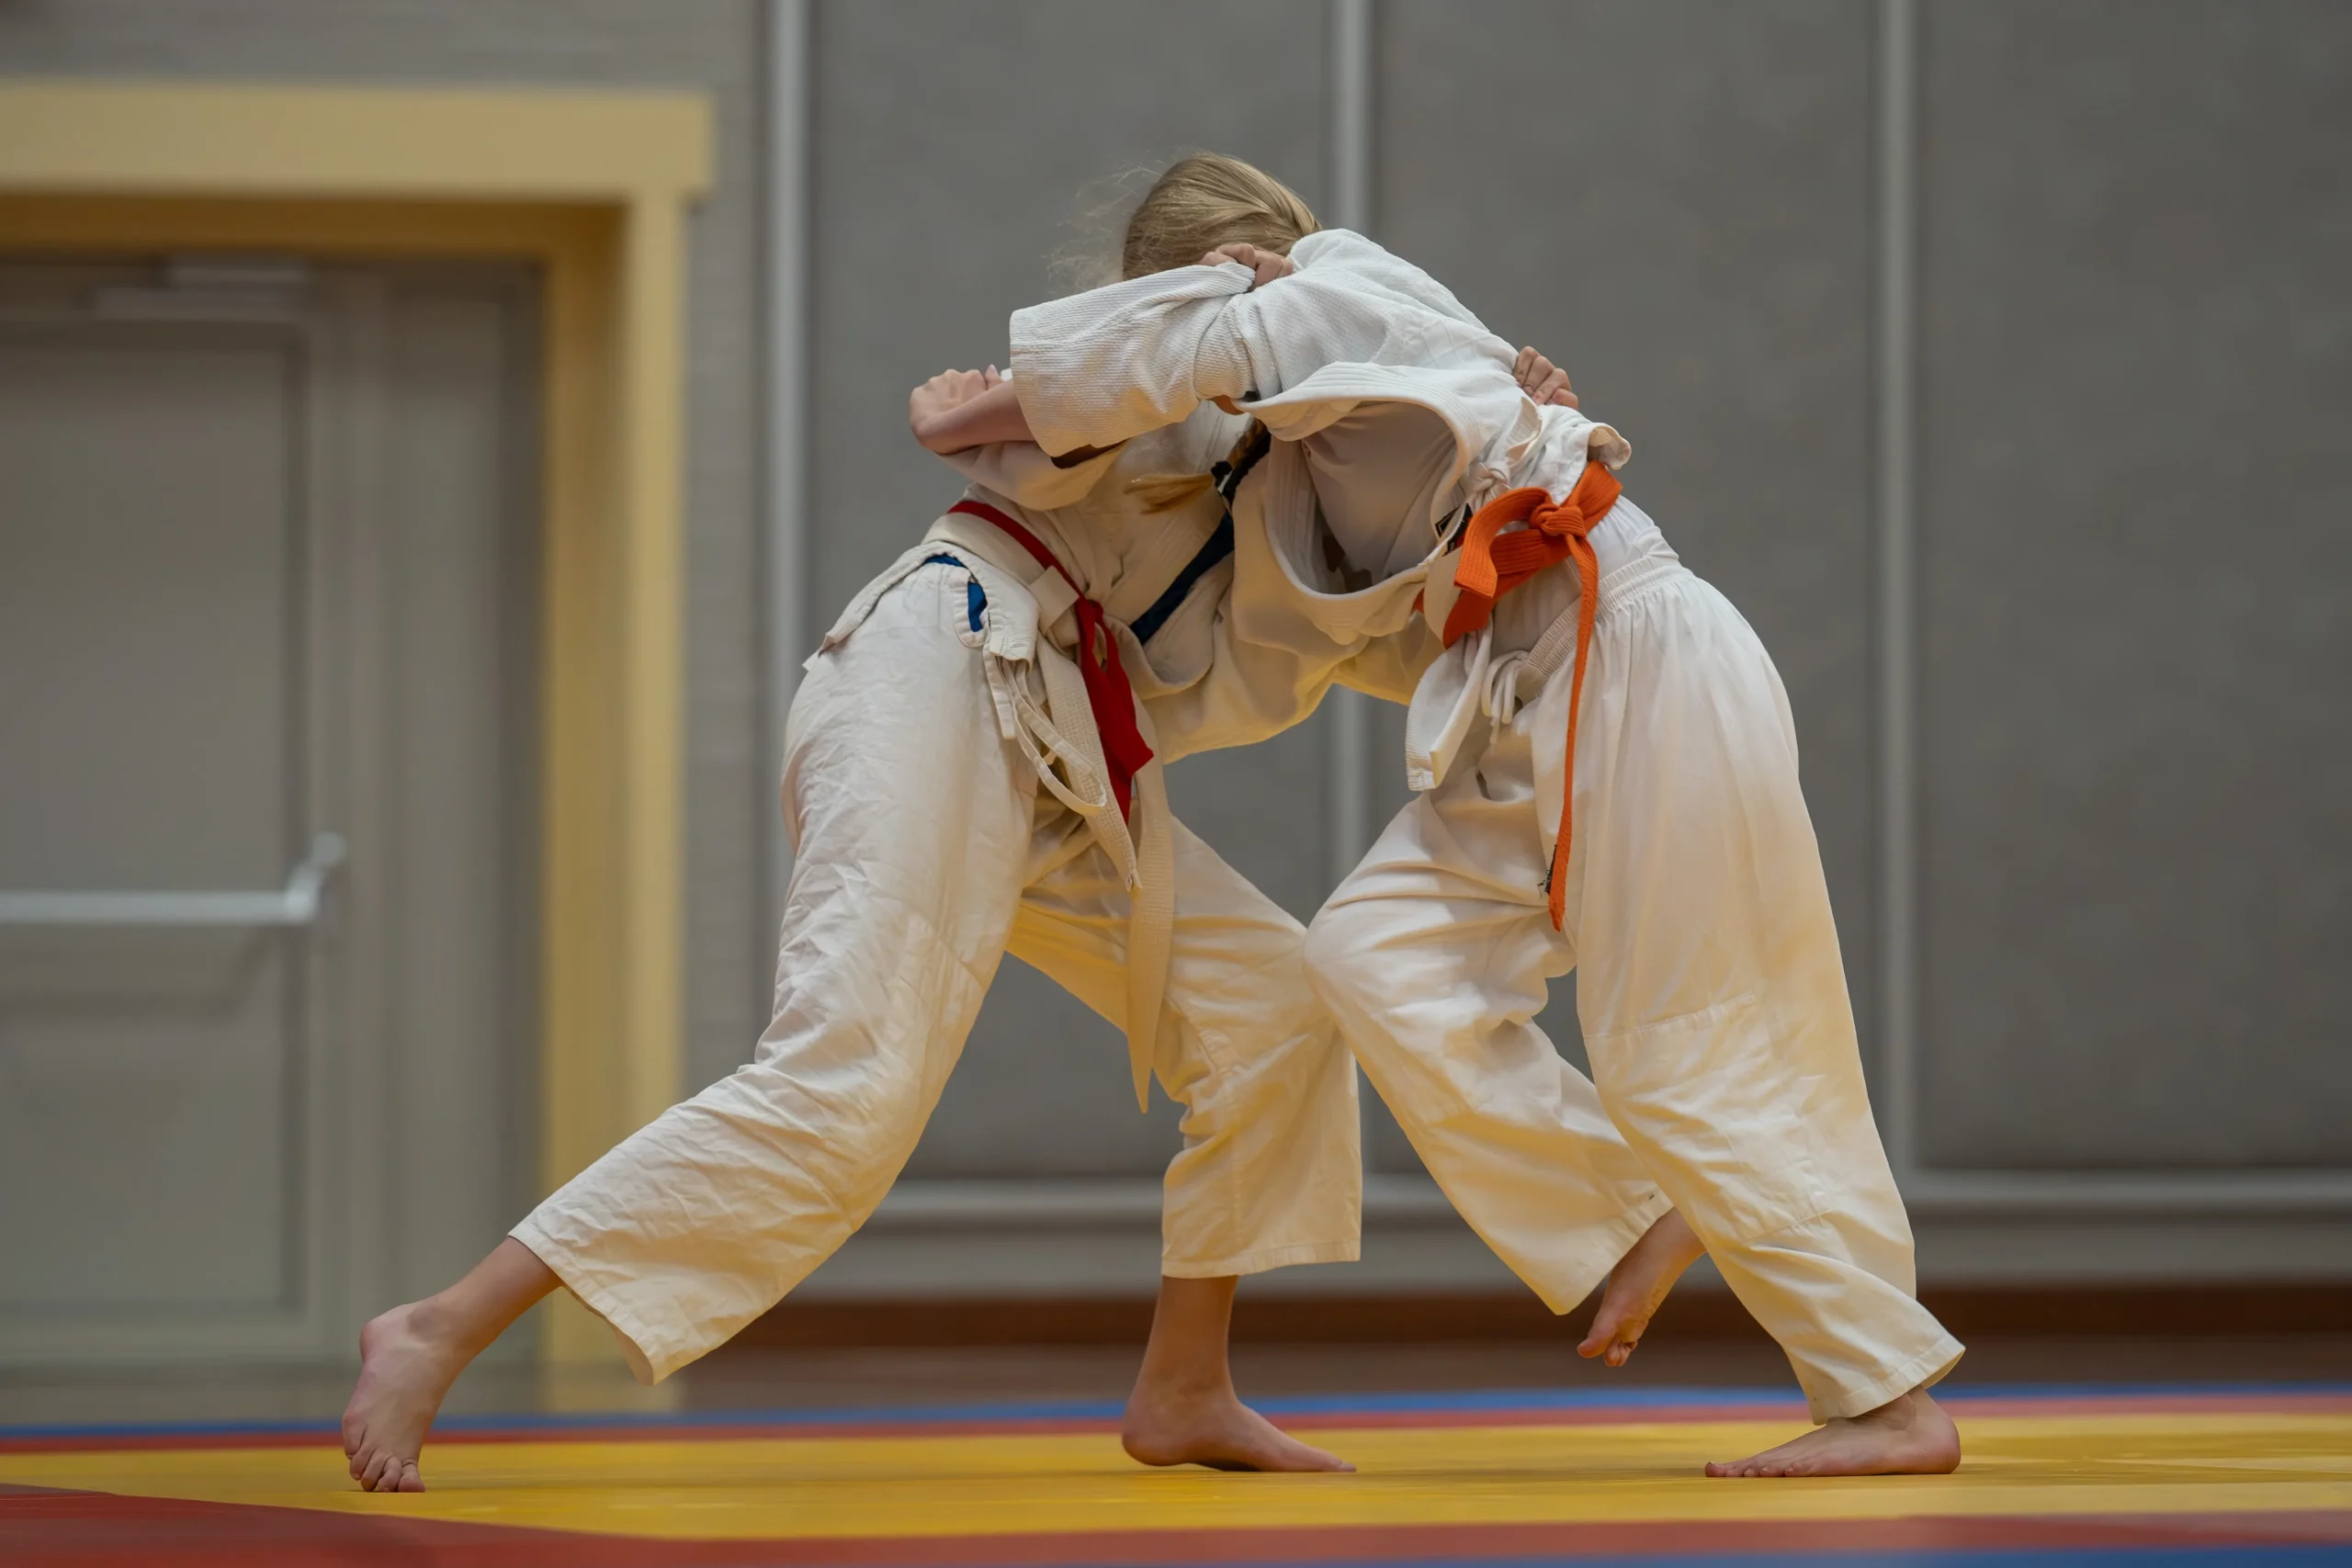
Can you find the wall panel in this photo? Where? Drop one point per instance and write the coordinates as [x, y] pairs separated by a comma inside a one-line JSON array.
[[954, 145], [2136, 298], [1671, 199]]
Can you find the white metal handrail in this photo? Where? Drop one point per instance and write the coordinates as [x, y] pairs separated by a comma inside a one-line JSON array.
[[296, 903]]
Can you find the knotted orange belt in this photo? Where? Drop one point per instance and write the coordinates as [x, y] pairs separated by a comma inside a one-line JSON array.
[[1108, 694], [1494, 563]]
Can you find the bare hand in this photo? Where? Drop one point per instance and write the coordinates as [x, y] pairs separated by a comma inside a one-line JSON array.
[[929, 405], [1264, 266], [1543, 380]]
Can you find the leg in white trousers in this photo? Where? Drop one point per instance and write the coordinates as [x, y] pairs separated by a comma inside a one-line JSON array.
[[1726, 1075], [925, 851]]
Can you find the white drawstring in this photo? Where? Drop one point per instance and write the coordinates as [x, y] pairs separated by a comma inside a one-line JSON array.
[[1088, 793], [1500, 699]]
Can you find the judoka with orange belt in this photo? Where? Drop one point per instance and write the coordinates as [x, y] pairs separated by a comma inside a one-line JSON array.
[[1607, 771]]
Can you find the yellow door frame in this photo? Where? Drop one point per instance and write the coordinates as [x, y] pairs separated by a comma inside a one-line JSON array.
[[593, 188]]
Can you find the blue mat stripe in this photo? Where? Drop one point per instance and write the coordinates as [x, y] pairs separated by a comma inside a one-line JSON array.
[[1634, 1403]]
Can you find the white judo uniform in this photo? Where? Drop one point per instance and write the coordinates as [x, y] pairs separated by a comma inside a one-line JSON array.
[[1726, 1075], [948, 799]]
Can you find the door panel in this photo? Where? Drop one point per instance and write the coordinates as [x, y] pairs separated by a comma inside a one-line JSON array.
[[148, 671], [144, 488], [267, 569], [144, 1084]]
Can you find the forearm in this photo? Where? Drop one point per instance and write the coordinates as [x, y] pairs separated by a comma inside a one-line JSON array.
[[1099, 367], [994, 416]]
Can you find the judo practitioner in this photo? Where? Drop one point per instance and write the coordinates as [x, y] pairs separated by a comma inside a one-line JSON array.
[[1608, 777], [973, 766]]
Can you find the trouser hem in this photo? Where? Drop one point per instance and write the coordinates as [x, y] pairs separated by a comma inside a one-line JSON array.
[[1922, 1370], [1258, 1262], [1621, 1234], [647, 1366]]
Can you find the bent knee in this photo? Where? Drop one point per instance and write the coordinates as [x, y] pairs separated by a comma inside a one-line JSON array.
[[876, 1113], [1342, 957]]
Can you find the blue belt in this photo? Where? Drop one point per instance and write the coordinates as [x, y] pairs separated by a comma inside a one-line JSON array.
[[1219, 546]]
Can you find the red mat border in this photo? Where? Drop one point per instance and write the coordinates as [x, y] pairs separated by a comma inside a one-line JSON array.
[[82, 1529]]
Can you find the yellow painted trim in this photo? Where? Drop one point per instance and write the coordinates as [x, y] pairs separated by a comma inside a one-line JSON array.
[[593, 188], [270, 141], [652, 595]]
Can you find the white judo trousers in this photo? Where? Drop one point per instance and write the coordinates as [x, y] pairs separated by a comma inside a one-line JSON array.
[[925, 851], [1726, 1075]]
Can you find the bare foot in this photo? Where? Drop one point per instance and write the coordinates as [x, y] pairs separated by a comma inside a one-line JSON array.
[[404, 1370], [1638, 1286], [1910, 1436], [1217, 1429]]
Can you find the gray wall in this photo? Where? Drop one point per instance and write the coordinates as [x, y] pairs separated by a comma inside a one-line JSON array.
[[2133, 364], [2129, 814], [1689, 233], [2130, 819], [957, 148], [2134, 288], [2137, 317]]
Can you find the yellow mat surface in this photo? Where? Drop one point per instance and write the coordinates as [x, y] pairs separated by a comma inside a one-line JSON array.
[[709, 1485]]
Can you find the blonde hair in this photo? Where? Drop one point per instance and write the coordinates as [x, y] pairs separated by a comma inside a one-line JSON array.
[[1205, 201], [1198, 203]]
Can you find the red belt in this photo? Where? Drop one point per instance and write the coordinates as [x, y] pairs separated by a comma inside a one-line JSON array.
[[1493, 563], [1107, 691]]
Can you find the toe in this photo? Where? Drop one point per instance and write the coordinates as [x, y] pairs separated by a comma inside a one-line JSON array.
[[1316, 1460], [1278, 1450], [1319, 1459], [410, 1479]]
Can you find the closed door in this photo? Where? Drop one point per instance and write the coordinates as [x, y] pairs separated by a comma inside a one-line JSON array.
[[267, 736]]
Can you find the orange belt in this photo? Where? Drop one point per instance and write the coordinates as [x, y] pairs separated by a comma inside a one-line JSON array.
[[1108, 693], [1494, 563]]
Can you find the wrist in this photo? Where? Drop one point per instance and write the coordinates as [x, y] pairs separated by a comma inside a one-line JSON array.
[[942, 432]]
